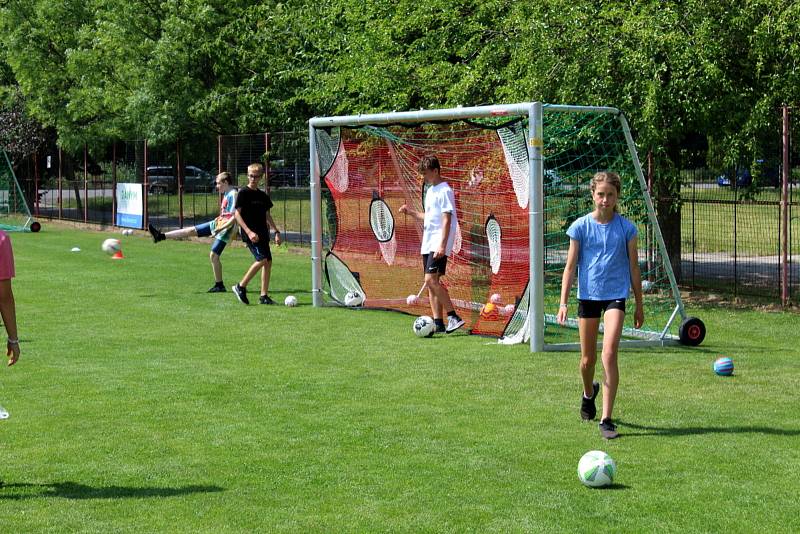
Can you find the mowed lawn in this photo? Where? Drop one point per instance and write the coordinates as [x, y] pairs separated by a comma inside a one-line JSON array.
[[143, 404]]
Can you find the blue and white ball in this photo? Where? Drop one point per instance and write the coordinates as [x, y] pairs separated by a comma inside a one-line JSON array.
[[353, 299], [723, 366], [597, 469], [424, 326]]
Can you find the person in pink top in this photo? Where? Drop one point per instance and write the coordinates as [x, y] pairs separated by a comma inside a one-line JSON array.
[[7, 306]]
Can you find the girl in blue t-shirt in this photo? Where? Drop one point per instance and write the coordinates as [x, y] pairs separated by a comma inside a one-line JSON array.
[[602, 244]]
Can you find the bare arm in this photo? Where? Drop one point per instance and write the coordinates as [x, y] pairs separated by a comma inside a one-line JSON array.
[[567, 279], [419, 215], [274, 227], [9, 313], [446, 218], [636, 282]]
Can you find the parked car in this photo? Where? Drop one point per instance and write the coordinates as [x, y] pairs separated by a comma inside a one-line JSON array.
[[162, 179], [767, 176]]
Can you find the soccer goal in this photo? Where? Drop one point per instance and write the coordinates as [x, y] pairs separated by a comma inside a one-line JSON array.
[[521, 175], [14, 213]]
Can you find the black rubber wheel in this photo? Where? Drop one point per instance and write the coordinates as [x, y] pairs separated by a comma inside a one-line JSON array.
[[692, 331], [35, 226]]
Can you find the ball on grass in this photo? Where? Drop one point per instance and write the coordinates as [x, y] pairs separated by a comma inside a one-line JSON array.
[[290, 301], [423, 326], [723, 366], [111, 246], [597, 469]]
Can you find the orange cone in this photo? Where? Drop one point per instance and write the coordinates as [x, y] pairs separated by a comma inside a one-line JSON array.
[[118, 255]]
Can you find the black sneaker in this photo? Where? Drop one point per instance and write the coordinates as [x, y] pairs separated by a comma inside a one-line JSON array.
[[454, 322], [264, 299], [608, 429], [588, 409], [440, 329], [217, 288], [241, 293], [157, 234]]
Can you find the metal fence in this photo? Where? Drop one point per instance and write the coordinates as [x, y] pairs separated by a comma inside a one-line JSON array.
[[178, 179], [731, 229]]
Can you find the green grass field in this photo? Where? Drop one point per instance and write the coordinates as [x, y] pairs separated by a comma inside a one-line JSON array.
[[143, 404]]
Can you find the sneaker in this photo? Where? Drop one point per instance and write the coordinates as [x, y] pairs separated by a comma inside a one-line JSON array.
[[156, 233], [241, 293], [264, 299], [588, 409], [440, 329], [453, 324], [608, 429], [217, 289]]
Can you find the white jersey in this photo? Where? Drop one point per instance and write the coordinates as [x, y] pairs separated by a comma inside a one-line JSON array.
[[439, 199]]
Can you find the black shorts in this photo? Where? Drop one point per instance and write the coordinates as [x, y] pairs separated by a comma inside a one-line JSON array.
[[260, 250], [592, 309], [431, 265]]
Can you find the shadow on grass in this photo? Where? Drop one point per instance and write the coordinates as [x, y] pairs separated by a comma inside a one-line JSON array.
[[73, 490], [696, 430]]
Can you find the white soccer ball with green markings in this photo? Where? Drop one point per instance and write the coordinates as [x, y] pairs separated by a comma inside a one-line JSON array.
[[111, 246], [597, 469]]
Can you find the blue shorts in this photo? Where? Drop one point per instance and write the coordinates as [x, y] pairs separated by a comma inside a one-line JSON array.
[[259, 250], [204, 230]]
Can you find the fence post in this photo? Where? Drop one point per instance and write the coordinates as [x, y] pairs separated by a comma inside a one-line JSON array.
[[785, 211], [60, 198], [85, 183], [114, 183], [219, 154], [179, 179], [266, 163], [146, 217]]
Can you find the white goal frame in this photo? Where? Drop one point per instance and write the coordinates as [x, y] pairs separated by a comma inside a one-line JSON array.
[[535, 113]]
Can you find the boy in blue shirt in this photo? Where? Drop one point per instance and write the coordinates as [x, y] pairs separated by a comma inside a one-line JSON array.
[[222, 228]]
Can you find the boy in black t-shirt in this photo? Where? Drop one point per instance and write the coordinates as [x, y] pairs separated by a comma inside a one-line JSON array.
[[252, 215]]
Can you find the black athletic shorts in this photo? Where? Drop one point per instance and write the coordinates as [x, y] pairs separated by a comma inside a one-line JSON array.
[[431, 265], [260, 250], [592, 309]]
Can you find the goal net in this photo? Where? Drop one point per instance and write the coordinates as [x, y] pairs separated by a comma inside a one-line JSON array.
[[14, 213], [489, 157]]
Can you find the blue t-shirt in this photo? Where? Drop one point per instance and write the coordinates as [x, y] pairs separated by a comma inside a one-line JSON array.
[[603, 269]]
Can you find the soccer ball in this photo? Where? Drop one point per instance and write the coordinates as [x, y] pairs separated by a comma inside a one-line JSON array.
[[723, 366], [412, 300], [423, 326], [290, 301], [111, 246], [127, 231], [353, 298], [597, 469], [496, 299]]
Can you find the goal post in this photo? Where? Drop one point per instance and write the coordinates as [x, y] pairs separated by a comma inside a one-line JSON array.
[[523, 167], [15, 215]]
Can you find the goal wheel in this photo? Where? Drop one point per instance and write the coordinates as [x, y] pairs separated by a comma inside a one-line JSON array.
[[692, 331], [35, 226]]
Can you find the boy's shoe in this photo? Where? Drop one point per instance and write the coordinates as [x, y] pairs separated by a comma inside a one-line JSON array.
[[241, 293], [264, 299], [453, 324], [588, 409], [440, 329], [608, 429], [217, 289], [157, 234]]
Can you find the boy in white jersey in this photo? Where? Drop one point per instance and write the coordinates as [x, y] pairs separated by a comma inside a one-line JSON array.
[[222, 228], [439, 231]]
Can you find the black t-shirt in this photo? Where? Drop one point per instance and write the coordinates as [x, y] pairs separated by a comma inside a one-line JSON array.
[[254, 204]]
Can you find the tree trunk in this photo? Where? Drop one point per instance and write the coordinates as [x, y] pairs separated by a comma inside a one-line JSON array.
[[667, 196]]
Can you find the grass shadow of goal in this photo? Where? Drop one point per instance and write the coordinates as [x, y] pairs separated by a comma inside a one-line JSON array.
[[73, 490], [700, 430]]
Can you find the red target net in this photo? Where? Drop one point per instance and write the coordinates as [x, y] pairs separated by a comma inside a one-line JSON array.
[[375, 249]]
